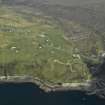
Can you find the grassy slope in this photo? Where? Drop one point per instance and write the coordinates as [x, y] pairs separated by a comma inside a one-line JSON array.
[[37, 47]]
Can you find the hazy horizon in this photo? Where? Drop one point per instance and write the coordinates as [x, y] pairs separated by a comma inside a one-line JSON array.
[[63, 2], [74, 2]]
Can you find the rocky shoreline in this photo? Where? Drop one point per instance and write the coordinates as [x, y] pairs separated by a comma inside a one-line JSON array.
[[45, 86], [87, 86]]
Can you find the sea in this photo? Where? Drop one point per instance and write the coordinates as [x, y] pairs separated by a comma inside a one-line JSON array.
[[30, 94]]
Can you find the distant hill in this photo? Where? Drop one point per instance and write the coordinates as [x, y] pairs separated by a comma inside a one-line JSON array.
[[60, 2], [91, 13]]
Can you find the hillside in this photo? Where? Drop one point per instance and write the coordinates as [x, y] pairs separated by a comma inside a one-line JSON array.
[[54, 42], [35, 46]]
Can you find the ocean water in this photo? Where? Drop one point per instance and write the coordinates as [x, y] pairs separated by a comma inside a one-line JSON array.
[[30, 94]]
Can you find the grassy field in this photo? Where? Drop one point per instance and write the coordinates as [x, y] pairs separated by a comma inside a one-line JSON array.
[[35, 46]]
